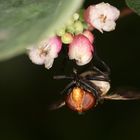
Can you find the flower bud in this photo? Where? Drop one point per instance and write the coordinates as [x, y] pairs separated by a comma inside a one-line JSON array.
[[78, 27], [75, 16], [70, 21], [70, 29], [67, 38], [81, 50], [89, 35], [60, 31]]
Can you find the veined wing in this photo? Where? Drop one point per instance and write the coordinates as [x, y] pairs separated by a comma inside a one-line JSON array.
[[123, 94]]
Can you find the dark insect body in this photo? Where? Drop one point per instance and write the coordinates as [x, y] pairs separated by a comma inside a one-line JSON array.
[[87, 89]]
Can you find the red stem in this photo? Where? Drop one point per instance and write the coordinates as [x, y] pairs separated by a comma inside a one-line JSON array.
[[126, 12]]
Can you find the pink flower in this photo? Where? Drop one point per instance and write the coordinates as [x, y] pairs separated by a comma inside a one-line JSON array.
[[46, 52], [89, 35], [102, 16], [81, 50]]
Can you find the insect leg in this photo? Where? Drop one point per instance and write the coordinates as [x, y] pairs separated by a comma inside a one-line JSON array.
[[57, 77], [97, 78], [70, 85], [88, 86], [93, 90], [102, 63]]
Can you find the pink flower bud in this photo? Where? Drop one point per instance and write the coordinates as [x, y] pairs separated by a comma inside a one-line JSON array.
[[46, 52], [102, 16], [81, 50], [89, 35]]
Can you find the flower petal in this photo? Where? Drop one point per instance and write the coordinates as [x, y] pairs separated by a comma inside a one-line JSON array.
[[52, 46], [109, 26], [36, 56], [89, 35], [49, 62]]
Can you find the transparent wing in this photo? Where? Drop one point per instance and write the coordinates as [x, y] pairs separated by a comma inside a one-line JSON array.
[[56, 105], [123, 94], [61, 101]]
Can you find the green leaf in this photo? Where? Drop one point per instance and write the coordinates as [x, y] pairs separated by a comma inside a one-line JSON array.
[[25, 22], [134, 5]]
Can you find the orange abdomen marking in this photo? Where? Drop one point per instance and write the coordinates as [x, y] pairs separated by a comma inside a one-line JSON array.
[[80, 100]]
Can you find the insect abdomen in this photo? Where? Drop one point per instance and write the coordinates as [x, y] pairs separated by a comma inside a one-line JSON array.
[[80, 100]]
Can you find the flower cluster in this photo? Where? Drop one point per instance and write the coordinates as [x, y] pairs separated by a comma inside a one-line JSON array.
[[77, 35]]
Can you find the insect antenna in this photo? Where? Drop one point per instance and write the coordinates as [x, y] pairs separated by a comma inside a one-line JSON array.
[[99, 62]]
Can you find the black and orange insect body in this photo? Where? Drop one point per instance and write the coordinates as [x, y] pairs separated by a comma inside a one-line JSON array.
[[87, 89]]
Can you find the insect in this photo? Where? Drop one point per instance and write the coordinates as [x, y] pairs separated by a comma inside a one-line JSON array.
[[89, 88]]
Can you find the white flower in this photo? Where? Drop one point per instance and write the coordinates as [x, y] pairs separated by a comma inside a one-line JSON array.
[[81, 50], [36, 55], [102, 16], [46, 52], [48, 62]]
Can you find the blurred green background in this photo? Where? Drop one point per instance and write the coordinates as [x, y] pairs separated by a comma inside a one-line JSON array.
[[27, 89]]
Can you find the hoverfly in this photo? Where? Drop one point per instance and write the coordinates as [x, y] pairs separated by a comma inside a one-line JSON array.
[[87, 89]]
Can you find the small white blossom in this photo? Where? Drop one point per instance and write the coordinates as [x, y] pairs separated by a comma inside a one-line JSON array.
[[36, 55], [81, 50], [46, 52], [102, 16]]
